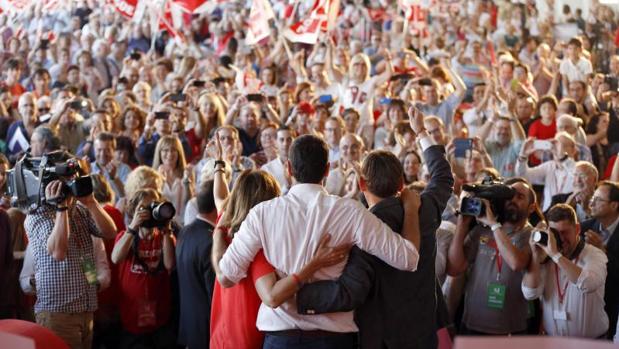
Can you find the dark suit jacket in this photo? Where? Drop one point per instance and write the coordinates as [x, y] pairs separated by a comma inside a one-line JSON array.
[[196, 280], [394, 308], [611, 292]]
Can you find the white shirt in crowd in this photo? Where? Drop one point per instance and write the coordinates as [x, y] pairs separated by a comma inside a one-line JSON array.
[[557, 177], [289, 228], [582, 312], [576, 72], [277, 169]]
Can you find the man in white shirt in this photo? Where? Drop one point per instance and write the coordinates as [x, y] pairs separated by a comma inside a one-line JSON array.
[[575, 67], [289, 228], [277, 166], [556, 175], [334, 127], [352, 149], [571, 282]]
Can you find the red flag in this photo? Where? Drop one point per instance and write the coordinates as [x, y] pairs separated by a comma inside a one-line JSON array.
[[190, 5], [307, 29], [126, 7]]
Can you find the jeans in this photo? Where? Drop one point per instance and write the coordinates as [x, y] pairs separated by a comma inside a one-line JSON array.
[[336, 341]]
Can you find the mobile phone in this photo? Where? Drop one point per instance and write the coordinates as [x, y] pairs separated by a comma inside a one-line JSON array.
[[198, 83], [255, 97], [162, 115], [462, 146], [385, 101], [44, 44], [76, 105], [135, 55], [178, 97], [325, 99], [542, 145]]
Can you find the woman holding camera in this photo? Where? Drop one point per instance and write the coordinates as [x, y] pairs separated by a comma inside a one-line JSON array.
[[178, 177], [145, 257]]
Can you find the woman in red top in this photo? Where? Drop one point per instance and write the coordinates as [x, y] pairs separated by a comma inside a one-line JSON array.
[[234, 310], [545, 127], [145, 258]]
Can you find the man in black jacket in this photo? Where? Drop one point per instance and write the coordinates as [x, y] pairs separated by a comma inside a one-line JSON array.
[[394, 309], [603, 232], [196, 276]]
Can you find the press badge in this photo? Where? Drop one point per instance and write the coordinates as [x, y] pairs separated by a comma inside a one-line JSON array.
[[559, 315], [146, 313], [90, 271], [496, 295]]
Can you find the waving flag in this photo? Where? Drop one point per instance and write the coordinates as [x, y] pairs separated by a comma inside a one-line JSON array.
[[307, 29], [259, 16]]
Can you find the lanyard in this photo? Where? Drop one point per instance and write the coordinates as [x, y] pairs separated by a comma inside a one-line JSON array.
[[562, 293], [497, 256]]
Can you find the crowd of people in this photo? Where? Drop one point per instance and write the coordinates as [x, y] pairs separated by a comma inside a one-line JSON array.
[[399, 182]]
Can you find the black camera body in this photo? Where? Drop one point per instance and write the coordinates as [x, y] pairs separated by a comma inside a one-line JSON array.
[[495, 192], [541, 237], [160, 214], [28, 179]]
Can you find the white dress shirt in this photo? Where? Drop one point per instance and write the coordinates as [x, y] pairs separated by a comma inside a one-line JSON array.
[[556, 177], [288, 229], [583, 303], [277, 169]]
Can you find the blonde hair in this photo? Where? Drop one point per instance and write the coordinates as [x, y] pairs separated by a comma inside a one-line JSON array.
[[360, 58], [142, 177], [217, 105], [174, 143], [138, 196], [251, 188]]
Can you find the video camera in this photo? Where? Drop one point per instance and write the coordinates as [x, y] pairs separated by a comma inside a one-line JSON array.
[[492, 190], [27, 180]]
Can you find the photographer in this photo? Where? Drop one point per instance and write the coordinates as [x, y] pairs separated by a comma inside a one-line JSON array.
[[145, 257], [497, 252], [568, 275], [62, 246]]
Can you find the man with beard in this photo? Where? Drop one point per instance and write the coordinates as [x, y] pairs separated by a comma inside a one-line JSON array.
[[497, 251]]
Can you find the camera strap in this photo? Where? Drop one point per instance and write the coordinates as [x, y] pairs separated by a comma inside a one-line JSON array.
[[561, 292]]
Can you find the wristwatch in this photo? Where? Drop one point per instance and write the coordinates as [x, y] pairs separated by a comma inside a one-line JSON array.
[[495, 227], [555, 258]]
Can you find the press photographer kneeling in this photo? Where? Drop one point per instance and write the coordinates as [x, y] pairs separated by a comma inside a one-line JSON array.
[[145, 257], [491, 239], [59, 227]]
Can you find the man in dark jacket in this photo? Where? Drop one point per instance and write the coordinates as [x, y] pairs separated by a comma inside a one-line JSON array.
[[603, 232], [394, 309], [195, 273]]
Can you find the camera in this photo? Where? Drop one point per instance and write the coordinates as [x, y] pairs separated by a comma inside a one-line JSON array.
[[541, 237], [160, 214], [492, 190], [27, 181]]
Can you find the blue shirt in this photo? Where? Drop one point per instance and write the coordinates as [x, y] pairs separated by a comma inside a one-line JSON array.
[[122, 172]]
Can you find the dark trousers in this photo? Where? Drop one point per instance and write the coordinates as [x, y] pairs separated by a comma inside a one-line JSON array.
[[301, 341]]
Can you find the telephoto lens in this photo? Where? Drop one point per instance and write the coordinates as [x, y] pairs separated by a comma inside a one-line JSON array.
[[540, 237], [164, 211]]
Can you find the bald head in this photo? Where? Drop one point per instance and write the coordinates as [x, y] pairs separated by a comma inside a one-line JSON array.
[[27, 108], [351, 147]]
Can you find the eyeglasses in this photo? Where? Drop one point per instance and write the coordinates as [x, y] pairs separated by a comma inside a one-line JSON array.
[[595, 199]]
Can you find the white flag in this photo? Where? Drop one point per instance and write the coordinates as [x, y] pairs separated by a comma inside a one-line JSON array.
[[307, 29], [259, 16]]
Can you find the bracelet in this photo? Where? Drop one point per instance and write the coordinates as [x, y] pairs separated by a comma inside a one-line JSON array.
[[62, 208], [219, 170], [495, 227], [296, 279], [220, 162], [556, 257], [132, 232]]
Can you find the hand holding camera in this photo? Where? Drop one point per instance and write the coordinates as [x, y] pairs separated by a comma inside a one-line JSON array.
[[546, 241], [488, 218], [139, 217], [55, 192]]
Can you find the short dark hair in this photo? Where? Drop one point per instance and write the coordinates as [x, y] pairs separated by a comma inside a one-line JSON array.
[[514, 180], [106, 137], [13, 64], [383, 173], [309, 157], [205, 198], [575, 42], [562, 212], [613, 190], [548, 99]]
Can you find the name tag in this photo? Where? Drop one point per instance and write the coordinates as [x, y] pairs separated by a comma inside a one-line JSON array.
[[496, 295], [560, 315]]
